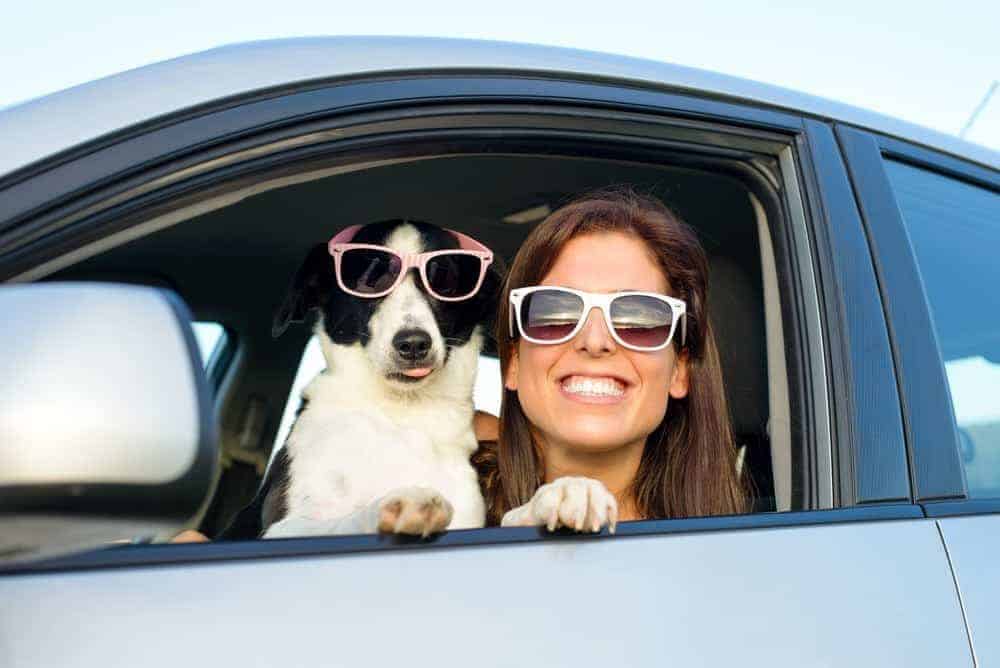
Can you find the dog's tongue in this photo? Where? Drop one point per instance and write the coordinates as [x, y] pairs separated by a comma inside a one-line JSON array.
[[417, 373]]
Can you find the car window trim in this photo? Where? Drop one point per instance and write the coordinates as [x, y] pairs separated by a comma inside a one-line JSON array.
[[64, 178], [875, 469], [961, 507], [134, 556], [931, 434]]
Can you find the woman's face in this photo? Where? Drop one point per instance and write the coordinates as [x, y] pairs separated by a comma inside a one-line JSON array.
[[590, 394]]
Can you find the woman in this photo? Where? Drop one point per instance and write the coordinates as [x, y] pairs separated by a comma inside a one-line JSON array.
[[613, 413]]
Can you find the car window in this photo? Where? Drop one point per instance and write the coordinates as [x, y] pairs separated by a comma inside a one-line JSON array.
[[486, 393], [955, 231], [210, 336]]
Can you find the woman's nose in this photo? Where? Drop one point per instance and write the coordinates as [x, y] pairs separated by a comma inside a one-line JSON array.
[[595, 337]]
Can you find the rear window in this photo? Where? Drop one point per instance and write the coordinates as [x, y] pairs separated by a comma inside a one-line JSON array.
[[955, 231]]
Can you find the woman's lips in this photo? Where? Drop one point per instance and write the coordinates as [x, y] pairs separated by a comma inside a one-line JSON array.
[[593, 389]]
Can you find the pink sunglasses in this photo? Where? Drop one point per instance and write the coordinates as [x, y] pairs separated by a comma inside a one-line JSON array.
[[366, 270]]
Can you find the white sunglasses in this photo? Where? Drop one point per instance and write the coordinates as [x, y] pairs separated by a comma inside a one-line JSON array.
[[642, 321]]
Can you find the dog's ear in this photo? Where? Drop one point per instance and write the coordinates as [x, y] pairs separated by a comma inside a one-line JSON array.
[[312, 283]]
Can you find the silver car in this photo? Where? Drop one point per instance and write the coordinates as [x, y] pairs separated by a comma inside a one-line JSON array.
[[855, 287]]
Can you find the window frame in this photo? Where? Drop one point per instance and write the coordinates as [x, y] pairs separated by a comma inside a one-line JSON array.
[[98, 191], [938, 475], [875, 470]]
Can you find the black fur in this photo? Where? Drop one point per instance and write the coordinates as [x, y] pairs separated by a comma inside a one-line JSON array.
[[267, 507], [346, 317]]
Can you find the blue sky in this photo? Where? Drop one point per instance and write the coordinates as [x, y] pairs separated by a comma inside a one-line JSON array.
[[928, 63]]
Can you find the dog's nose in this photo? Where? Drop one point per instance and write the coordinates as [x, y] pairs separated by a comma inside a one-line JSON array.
[[412, 344]]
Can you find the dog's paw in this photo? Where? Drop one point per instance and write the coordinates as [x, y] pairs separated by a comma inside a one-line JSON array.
[[418, 511], [582, 504]]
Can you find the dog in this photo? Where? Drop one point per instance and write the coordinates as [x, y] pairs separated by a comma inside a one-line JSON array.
[[384, 435]]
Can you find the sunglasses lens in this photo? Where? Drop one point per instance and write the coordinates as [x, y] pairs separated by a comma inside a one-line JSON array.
[[453, 275], [369, 271], [549, 315], [641, 321]]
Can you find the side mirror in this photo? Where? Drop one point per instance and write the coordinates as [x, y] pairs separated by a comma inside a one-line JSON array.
[[107, 429]]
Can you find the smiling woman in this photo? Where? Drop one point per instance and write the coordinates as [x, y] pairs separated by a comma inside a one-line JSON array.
[[614, 404]]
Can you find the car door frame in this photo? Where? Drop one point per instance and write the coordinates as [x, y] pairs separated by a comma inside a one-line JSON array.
[[931, 433], [93, 186]]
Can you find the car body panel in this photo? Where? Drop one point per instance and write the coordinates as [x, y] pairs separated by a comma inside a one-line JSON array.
[[863, 594], [40, 128], [973, 545]]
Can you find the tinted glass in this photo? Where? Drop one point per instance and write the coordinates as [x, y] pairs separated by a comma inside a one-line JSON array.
[[453, 275], [641, 321], [548, 315], [955, 231], [367, 270]]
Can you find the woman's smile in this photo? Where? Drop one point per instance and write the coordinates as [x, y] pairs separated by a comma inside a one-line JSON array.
[[594, 389], [590, 394]]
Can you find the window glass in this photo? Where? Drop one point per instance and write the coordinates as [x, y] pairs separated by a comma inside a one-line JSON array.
[[210, 335], [955, 231], [486, 394]]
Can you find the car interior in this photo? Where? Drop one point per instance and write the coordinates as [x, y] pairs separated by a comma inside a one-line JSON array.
[[232, 261]]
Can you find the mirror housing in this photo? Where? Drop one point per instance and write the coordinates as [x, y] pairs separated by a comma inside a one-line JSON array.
[[107, 429]]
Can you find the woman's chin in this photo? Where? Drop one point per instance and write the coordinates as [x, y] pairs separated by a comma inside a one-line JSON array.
[[594, 436]]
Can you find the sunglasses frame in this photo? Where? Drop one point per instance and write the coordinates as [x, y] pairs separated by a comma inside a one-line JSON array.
[[602, 301], [340, 244]]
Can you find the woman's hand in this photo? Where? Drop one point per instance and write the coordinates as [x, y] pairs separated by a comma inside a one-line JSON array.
[[583, 504]]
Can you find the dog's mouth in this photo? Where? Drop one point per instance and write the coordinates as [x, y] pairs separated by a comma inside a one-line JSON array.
[[412, 374]]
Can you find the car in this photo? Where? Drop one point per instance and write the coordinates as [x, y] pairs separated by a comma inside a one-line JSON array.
[[854, 292]]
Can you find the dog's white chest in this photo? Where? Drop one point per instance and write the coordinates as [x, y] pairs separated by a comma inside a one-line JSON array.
[[344, 458]]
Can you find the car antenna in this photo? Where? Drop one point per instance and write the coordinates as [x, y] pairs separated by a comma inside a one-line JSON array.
[[978, 109]]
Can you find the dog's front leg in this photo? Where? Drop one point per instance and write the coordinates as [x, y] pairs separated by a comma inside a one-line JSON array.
[[416, 511], [578, 503]]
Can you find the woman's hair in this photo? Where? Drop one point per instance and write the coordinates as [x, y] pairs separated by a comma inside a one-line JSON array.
[[688, 467]]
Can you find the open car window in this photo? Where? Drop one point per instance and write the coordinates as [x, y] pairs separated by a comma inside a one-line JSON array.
[[732, 220], [232, 258]]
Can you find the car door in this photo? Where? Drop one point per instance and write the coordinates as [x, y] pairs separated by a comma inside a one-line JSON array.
[[851, 572], [941, 218]]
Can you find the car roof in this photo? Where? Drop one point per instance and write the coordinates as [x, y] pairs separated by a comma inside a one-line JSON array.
[[42, 127]]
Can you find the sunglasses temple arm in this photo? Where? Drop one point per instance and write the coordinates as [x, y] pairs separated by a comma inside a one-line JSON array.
[[466, 242], [342, 237]]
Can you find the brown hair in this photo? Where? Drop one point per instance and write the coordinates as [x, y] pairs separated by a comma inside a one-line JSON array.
[[688, 467]]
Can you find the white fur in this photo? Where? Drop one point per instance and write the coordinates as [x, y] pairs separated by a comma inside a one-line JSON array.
[[363, 436], [583, 504]]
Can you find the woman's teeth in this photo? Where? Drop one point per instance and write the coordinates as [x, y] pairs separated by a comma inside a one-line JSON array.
[[594, 387]]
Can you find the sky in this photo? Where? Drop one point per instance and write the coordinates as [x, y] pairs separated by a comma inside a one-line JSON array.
[[929, 63]]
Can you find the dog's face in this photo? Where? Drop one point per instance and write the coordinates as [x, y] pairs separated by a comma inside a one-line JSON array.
[[407, 335]]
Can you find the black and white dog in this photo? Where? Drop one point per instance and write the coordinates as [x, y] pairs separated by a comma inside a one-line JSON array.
[[383, 439]]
